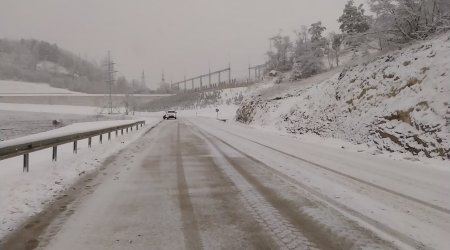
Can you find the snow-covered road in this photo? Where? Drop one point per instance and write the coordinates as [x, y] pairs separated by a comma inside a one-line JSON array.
[[200, 183], [404, 202]]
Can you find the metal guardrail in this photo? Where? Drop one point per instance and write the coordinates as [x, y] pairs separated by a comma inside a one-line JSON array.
[[26, 148]]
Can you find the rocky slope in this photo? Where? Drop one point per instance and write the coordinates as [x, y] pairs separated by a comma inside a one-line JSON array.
[[399, 102]]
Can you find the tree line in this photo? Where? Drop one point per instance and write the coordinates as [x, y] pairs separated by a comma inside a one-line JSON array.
[[393, 23]]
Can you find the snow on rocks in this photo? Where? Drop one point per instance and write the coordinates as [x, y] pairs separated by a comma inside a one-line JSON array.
[[398, 102]]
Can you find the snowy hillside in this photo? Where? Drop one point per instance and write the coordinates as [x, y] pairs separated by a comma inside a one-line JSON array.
[[399, 102], [230, 96], [196, 100]]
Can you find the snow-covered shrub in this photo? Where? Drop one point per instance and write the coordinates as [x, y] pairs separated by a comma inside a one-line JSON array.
[[306, 66]]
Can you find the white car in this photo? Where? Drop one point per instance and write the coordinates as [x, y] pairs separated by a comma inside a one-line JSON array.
[[170, 114]]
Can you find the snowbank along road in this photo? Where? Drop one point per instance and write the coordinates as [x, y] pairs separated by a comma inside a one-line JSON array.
[[203, 184]]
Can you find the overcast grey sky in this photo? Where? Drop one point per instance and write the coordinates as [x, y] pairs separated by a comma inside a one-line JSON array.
[[180, 37]]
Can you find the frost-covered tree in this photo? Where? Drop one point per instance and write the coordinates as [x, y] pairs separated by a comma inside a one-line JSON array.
[[411, 19], [336, 42], [280, 58], [316, 30], [333, 48], [302, 43], [306, 62], [306, 66], [328, 51], [303, 34], [353, 20], [318, 42]]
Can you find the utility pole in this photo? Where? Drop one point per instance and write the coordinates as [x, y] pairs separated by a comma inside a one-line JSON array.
[[110, 80]]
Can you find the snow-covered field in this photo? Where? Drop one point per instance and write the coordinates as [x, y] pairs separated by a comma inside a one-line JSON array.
[[19, 87], [398, 102], [43, 108]]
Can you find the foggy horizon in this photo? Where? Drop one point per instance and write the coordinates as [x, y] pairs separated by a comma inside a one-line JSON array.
[[169, 36]]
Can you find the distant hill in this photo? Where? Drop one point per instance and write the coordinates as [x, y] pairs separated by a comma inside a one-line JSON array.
[[31, 60]]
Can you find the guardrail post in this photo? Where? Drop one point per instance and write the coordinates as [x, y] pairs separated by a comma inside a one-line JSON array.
[[117, 133], [121, 131], [109, 136], [55, 153], [26, 162], [127, 130], [75, 147], [137, 127], [131, 127], [89, 141], [101, 138]]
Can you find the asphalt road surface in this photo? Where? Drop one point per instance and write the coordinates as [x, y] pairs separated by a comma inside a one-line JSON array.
[[194, 184]]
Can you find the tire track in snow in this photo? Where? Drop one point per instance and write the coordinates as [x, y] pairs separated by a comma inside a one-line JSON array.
[[265, 210], [404, 196], [388, 231], [190, 228]]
